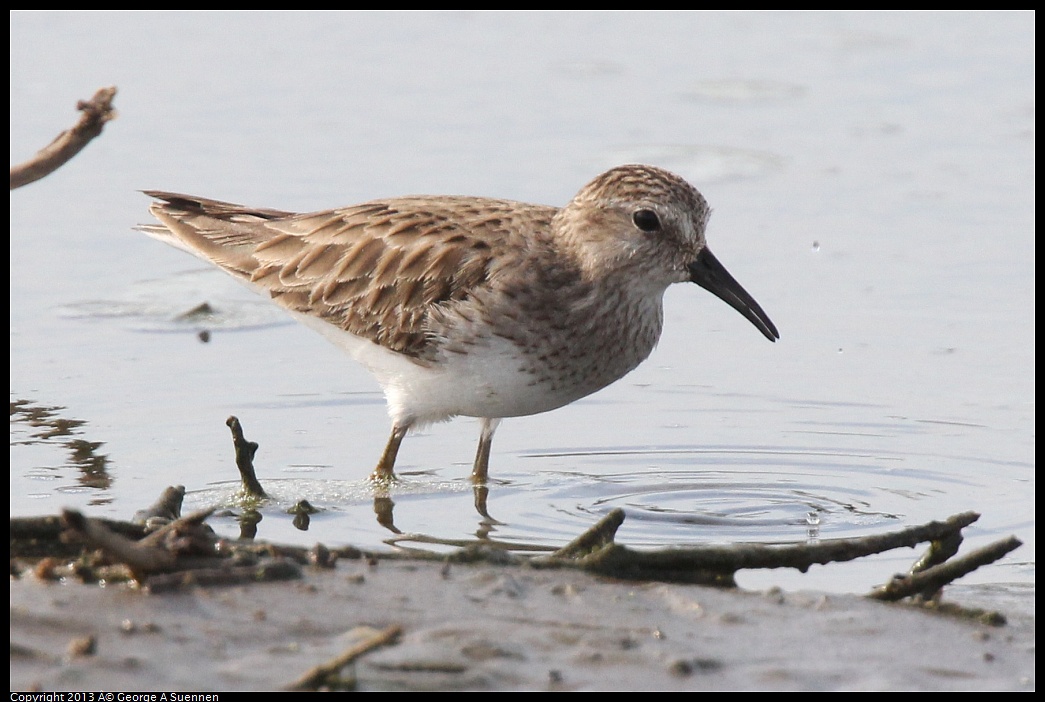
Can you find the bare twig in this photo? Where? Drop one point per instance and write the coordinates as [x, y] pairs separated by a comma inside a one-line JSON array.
[[39, 537], [224, 575], [938, 552], [189, 545], [141, 558], [245, 451], [934, 578], [165, 510], [321, 674], [717, 564], [595, 538], [180, 544], [96, 112]]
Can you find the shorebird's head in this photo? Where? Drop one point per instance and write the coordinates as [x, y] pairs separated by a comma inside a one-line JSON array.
[[648, 224]]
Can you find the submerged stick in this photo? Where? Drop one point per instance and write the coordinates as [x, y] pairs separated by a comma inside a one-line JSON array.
[[245, 451]]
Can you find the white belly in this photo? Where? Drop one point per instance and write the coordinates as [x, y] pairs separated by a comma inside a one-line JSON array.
[[489, 381]]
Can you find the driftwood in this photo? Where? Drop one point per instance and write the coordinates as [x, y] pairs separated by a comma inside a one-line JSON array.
[[932, 580], [190, 549], [40, 537], [164, 511], [96, 112], [245, 451], [325, 674], [595, 550], [186, 552], [182, 553]]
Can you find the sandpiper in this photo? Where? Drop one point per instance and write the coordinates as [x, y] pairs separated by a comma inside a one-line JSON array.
[[473, 306]]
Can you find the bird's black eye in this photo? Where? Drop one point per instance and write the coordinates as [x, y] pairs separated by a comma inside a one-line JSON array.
[[646, 220]]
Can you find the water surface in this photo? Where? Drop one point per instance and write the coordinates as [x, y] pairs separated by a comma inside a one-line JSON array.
[[872, 179]]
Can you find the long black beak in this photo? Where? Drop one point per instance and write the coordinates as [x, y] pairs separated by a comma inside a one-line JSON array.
[[711, 275]]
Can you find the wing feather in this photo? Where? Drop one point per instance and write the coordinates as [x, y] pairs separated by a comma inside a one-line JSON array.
[[382, 270]]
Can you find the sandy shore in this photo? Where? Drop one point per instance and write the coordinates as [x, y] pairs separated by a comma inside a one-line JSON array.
[[483, 627]]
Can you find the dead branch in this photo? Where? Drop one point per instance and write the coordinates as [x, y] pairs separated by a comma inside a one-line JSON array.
[[180, 554], [39, 537], [321, 675], [224, 575], [188, 545], [245, 451], [599, 535], [140, 558], [96, 112], [186, 553], [934, 578], [717, 564], [165, 510]]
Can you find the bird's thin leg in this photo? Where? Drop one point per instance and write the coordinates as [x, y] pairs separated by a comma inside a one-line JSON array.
[[385, 470], [482, 456]]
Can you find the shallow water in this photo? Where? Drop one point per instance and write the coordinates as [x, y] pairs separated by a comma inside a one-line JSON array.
[[872, 176]]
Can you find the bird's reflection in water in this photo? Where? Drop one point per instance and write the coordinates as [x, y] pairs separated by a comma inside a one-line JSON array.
[[485, 534], [384, 506], [485, 530], [383, 509]]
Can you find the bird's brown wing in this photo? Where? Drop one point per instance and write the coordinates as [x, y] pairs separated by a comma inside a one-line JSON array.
[[377, 270]]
